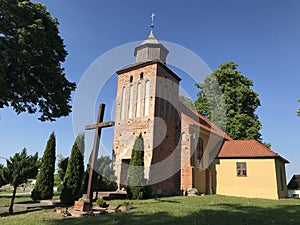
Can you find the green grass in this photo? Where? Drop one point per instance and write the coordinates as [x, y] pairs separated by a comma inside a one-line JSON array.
[[206, 210]]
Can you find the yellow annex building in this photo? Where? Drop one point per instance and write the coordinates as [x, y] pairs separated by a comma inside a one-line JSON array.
[[183, 149]]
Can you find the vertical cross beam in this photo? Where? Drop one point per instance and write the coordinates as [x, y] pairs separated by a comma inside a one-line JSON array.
[[94, 155]]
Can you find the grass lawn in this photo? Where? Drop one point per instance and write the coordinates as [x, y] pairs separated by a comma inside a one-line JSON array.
[[206, 210]]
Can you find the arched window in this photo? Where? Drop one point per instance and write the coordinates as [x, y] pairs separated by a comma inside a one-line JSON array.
[[138, 100], [123, 99], [159, 98], [183, 136], [165, 100], [130, 101], [131, 79], [141, 76], [147, 98]]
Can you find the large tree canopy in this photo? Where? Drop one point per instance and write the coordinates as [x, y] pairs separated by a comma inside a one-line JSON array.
[[233, 110], [31, 53]]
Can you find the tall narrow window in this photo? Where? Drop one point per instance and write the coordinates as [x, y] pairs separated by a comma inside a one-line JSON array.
[[241, 169], [281, 179], [138, 100], [147, 96], [130, 101], [183, 137], [199, 149], [131, 79], [123, 97], [159, 98], [141, 76], [165, 100]]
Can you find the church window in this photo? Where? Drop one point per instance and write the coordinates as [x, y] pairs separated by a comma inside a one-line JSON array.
[[241, 169], [123, 103], [131, 79], [130, 101], [159, 98], [147, 95], [138, 100], [141, 76], [183, 137], [281, 179], [165, 101], [199, 149]]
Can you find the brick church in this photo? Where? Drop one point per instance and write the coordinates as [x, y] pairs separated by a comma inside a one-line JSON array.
[[183, 149]]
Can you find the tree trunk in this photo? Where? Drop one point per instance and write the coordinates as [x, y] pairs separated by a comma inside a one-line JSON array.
[[11, 206]]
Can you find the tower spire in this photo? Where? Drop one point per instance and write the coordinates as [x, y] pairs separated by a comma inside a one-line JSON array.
[[152, 24]]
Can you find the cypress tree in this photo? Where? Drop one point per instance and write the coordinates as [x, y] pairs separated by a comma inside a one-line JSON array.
[[136, 182], [45, 180], [72, 185]]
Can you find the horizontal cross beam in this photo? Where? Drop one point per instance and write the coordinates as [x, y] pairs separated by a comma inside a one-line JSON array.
[[100, 125]]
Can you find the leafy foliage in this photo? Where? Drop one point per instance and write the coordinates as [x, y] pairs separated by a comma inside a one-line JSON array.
[[298, 112], [45, 180], [136, 188], [227, 99], [31, 53], [18, 169], [2, 182], [72, 185]]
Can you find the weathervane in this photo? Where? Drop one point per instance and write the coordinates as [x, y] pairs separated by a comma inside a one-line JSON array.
[[152, 24]]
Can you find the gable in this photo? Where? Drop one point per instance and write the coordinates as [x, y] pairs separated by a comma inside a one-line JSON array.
[[294, 183]]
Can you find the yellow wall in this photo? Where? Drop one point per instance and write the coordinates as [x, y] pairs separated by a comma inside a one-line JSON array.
[[261, 180]]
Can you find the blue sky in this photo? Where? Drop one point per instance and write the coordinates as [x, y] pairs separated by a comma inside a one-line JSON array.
[[262, 37]]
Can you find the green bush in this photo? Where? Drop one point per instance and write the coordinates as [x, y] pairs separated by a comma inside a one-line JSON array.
[[136, 188], [101, 203], [43, 188], [72, 185]]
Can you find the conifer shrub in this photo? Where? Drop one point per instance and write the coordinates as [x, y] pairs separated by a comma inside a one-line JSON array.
[[136, 188], [72, 185], [43, 188]]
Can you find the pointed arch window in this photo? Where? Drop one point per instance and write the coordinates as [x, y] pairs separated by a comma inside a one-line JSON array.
[[138, 100], [165, 100], [147, 98], [183, 136], [130, 102], [123, 100]]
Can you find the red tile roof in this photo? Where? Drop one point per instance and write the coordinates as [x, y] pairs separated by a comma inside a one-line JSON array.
[[193, 118], [246, 149]]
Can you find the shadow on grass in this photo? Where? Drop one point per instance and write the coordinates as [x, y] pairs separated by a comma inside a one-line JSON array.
[[18, 199], [227, 214], [24, 211]]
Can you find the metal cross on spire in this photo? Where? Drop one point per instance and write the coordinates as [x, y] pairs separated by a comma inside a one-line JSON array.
[[152, 24]]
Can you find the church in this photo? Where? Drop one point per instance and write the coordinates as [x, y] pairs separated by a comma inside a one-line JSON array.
[[183, 149]]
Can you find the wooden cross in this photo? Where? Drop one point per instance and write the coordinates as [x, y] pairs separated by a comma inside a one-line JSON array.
[[98, 126]]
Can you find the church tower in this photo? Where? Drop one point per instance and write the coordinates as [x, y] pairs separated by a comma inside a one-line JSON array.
[[147, 100]]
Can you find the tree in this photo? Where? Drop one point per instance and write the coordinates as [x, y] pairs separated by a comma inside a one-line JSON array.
[[187, 102], [103, 175], [2, 182], [136, 188], [298, 112], [227, 99], [62, 166], [31, 53], [18, 169], [43, 188], [72, 185]]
